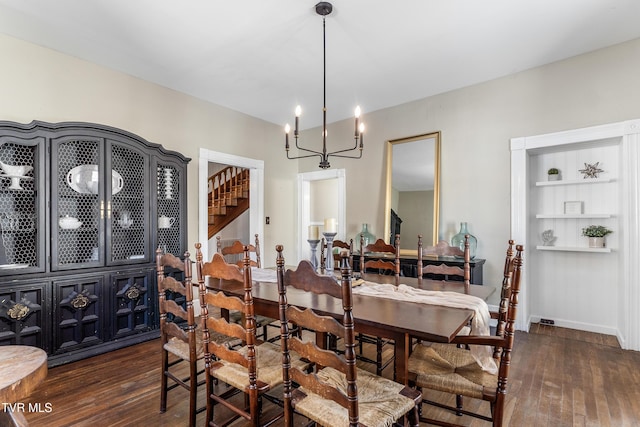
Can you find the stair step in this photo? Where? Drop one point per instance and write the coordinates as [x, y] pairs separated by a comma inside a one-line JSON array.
[[218, 210], [230, 201], [229, 198]]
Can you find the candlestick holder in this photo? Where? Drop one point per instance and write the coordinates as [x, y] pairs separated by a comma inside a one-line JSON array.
[[329, 238], [314, 247]]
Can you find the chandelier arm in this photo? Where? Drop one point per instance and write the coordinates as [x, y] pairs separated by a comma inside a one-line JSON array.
[[304, 157], [344, 156], [347, 149], [308, 150]]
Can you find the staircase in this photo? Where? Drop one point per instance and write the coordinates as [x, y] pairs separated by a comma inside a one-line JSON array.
[[228, 197]]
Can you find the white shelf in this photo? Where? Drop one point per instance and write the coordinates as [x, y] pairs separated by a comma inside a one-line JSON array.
[[573, 181], [573, 249], [572, 216]]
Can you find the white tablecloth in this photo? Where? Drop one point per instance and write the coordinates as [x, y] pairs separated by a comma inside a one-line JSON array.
[[479, 324]]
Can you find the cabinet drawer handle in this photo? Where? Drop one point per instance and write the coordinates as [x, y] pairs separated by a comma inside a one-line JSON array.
[[80, 301], [18, 312]]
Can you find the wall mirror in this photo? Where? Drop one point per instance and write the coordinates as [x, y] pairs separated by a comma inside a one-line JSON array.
[[412, 204]]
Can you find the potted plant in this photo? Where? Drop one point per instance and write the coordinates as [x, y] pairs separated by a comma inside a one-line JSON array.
[[553, 174], [596, 234]]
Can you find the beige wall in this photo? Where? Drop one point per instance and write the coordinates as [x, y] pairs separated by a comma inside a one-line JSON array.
[[476, 123], [41, 84]]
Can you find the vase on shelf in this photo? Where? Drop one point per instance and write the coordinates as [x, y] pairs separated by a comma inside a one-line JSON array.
[[457, 241], [368, 237], [596, 242]]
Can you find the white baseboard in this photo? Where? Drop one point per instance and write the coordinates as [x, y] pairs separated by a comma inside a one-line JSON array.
[[581, 326]]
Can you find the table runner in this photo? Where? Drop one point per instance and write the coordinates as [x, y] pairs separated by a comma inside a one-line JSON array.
[[479, 323], [263, 275]]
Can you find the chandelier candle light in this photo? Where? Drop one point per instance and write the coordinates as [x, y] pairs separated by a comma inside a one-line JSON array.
[[323, 9]]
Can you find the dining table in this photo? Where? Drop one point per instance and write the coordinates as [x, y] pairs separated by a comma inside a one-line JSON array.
[[400, 321]]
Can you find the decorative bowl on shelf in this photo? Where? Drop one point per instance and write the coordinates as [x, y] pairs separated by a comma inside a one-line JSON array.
[[15, 170], [85, 179], [69, 223], [16, 173]]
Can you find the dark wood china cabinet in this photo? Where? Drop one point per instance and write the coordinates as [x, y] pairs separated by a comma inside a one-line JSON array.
[[83, 207]]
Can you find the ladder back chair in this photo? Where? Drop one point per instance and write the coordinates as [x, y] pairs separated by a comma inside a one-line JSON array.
[[451, 369], [447, 271], [379, 266], [337, 256], [178, 329], [252, 369], [500, 315], [230, 254], [505, 292], [337, 393], [237, 248]]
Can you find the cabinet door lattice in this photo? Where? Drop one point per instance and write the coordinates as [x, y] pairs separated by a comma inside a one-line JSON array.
[[168, 191], [20, 234], [128, 213], [79, 197]]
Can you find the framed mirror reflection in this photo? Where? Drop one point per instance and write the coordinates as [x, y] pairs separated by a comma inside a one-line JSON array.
[[412, 203]]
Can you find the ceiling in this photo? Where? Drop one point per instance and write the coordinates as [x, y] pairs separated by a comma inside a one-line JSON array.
[[263, 58]]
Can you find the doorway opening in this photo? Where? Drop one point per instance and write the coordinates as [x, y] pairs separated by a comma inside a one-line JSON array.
[[256, 195], [310, 194]]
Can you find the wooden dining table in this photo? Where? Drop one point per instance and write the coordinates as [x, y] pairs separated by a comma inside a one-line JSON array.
[[399, 321]]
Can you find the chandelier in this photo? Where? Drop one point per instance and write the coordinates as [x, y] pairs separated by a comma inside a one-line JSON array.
[[323, 9]]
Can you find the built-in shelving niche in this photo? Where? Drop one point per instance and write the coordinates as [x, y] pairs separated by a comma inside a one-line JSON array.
[[593, 289]]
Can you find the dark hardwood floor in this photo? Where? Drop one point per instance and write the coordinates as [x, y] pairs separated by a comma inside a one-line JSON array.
[[559, 377]]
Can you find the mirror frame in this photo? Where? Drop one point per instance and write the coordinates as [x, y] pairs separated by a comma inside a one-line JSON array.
[[436, 183]]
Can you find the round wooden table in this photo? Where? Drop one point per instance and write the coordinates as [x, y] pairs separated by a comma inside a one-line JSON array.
[[22, 368]]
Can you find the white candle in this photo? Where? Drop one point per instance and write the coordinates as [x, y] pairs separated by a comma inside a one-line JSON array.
[[330, 225], [314, 232]]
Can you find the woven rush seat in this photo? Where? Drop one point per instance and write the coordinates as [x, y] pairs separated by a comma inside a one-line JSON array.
[[336, 393], [269, 367], [379, 400], [451, 369]]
